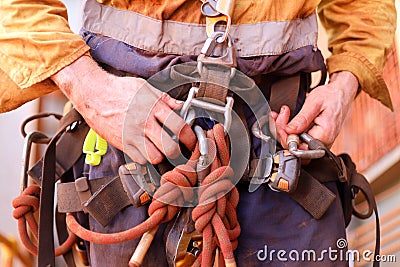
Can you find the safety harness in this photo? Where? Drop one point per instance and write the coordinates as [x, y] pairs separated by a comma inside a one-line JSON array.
[[199, 197]]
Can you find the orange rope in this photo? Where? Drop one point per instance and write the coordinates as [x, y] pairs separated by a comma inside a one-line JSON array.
[[215, 215], [24, 207]]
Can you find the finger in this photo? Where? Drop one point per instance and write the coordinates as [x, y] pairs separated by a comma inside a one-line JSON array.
[[272, 125], [176, 125], [150, 151], [166, 98], [323, 135], [274, 115], [310, 110], [173, 103], [134, 154], [303, 146], [161, 139], [281, 123]]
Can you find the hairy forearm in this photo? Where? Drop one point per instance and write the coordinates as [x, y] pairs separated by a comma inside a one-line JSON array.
[[90, 89]]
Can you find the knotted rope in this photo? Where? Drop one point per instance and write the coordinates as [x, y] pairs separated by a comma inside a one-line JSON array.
[[24, 207], [215, 215]]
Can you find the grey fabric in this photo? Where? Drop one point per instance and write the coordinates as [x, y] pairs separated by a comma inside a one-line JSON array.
[[128, 60], [137, 30]]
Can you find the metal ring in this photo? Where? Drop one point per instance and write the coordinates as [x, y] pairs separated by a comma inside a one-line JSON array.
[[256, 128], [35, 117]]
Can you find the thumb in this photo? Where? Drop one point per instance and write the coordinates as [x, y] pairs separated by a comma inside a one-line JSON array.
[[304, 118]]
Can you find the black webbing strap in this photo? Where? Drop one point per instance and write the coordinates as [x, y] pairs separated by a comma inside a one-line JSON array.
[[46, 233], [361, 183], [62, 234], [313, 196], [358, 182], [285, 92], [71, 141]]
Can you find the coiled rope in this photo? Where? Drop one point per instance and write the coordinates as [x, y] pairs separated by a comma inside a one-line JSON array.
[[214, 216]]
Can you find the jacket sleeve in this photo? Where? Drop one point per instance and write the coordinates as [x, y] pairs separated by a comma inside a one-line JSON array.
[[35, 43], [360, 35]]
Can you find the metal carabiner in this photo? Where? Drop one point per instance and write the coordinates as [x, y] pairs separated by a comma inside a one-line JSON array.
[[30, 138], [256, 128], [228, 59], [293, 142], [203, 146], [217, 11], [209, 8]]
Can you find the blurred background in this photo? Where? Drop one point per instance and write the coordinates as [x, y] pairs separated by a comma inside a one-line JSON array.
[[371, 135]]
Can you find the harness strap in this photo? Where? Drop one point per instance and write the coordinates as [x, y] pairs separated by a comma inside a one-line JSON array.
[[313, 196], [285, 92], [215, 87], [46, 255], [63, 235], [361, 183], [69, 141], [358, 182], [107, 199]]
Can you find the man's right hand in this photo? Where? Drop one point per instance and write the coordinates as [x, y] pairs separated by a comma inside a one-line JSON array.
[[114, 106]]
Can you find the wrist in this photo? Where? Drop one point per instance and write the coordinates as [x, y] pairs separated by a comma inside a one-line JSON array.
[[345, 81], [72, 75], [80, 82]]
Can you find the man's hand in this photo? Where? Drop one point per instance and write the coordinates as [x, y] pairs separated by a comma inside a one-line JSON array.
[[326, 106], [107, 102]]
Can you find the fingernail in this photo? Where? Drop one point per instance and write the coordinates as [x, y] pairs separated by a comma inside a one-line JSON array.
[[178, 101], [282, 109]]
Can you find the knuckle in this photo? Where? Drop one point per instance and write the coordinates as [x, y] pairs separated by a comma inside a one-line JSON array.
[[150, 126], [302, 119], [161, 110]]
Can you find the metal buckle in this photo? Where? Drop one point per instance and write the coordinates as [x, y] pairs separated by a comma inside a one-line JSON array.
[[226, 110], [286, 172]]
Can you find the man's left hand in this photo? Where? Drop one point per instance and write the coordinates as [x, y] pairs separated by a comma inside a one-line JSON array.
[[326, 106]]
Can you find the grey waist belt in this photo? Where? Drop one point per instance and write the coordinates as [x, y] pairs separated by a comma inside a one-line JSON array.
[[103, 198]]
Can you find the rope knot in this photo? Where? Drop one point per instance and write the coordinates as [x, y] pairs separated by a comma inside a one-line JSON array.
[[176, 189], [27, 202]]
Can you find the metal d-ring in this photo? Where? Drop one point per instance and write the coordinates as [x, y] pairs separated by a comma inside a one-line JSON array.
[[226, 110]]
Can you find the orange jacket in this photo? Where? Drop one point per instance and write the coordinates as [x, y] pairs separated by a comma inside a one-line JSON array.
[[36, 42]]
